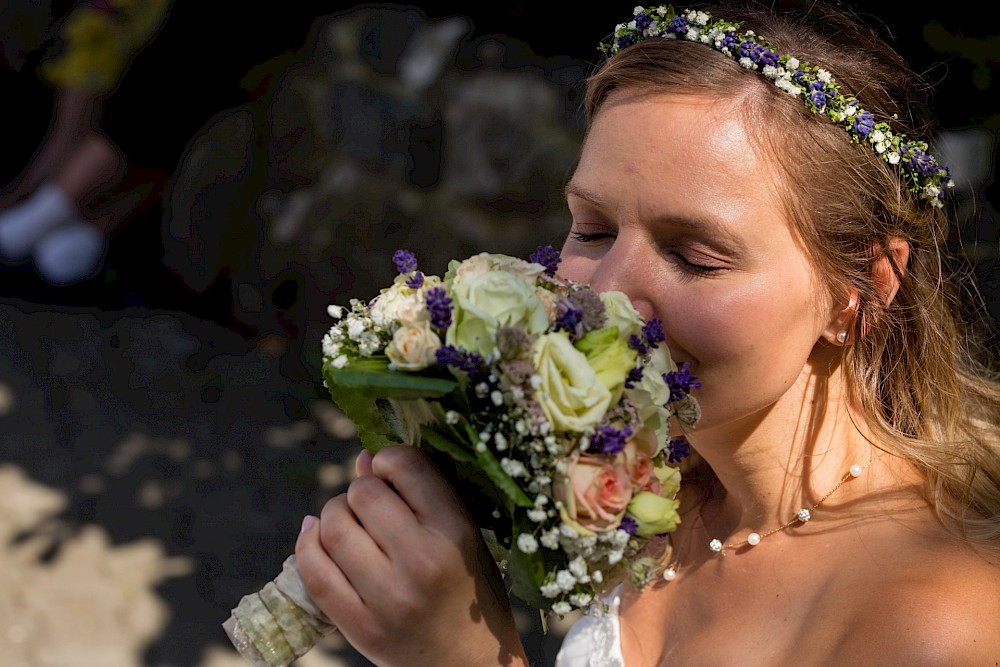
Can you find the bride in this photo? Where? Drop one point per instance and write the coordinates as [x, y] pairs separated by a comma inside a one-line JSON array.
[[764, 192]]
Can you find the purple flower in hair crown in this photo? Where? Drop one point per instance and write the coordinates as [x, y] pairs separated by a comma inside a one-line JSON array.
[[920, 171]]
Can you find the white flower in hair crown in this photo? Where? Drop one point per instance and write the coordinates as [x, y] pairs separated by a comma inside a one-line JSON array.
[[919, 170]]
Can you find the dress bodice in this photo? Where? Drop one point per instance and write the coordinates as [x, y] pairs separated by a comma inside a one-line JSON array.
[[595, 639]]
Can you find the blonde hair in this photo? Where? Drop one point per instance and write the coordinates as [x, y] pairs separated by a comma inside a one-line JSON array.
[[915, 373]]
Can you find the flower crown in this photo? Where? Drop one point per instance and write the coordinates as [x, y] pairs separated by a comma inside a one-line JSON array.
[[920, 171]]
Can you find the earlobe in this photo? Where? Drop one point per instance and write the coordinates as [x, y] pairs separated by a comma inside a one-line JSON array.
[[839, 332]]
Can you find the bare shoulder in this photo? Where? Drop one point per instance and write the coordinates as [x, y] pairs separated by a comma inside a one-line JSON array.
[[933, 604]]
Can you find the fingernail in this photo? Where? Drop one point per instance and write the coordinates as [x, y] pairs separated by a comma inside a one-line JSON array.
[[307, 522]]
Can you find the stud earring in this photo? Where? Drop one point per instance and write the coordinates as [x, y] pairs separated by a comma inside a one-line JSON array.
[[842, 336]]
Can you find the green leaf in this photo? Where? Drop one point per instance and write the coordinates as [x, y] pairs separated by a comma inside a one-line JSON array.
[[527, 573], [489, 465], [371, 376], [446, 444], [373, 430]]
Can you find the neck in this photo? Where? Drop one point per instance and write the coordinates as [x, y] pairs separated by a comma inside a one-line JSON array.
[[790, 457]]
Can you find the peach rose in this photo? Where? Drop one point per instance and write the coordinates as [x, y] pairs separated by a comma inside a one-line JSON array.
[[639, 452], [594, 492], [413, 347]]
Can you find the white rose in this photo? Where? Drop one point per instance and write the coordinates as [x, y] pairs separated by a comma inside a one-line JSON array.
[[401, 303], [475, 266], [569, 392], [651, 394], [413, 347], [621, 314], [484, 303]]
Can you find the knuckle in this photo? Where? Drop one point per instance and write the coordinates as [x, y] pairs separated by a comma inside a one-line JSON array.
[[364, 491], [398, 458], [314, 582]]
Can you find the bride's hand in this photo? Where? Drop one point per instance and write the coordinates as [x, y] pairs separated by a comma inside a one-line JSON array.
[[397, 565]]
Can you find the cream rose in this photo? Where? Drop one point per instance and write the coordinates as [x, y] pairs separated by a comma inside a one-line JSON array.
[[413, 346], [653, 513], [651, 394], [570, 394], [622, 314], [594, 492], [483, 303], [477, 265], [401, 303], [610, 358]]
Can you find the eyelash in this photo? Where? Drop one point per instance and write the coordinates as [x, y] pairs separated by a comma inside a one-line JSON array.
[[697, 269]]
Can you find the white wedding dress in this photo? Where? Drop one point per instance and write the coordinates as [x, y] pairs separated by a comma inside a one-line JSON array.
[[595, 639]]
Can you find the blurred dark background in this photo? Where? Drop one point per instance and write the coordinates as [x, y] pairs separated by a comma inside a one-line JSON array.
[[276, 157]]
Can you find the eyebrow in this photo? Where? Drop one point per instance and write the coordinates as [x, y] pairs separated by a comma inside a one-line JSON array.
[[704, 225]]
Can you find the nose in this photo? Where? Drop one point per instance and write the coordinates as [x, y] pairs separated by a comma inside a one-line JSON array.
[[626, 268]]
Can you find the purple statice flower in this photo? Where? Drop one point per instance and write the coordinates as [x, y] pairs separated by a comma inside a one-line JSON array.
[[469, 362], [759, 55], [629, 525], [817, 93], [678, 25], [635, 342], [588, 302], [548, 257], [678, 449], [681, 382], [626, 41], [922, 163], [568, 318], [728, 42], [405, 261], [768, 57], [652, 331], [439, 306], [800, 77], [634, 377], [416, 280], [608, 440], [864, 123], [643, 21]]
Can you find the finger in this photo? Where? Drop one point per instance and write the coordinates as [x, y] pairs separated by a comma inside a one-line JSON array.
[[386, 517], [363, 464], [326, 584], [424, 489]]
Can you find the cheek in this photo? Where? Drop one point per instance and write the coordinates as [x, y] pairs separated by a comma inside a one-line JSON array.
[[746, 343]]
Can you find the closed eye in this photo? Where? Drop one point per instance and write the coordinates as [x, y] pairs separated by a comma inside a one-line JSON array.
[[590, 237], [694, 267]]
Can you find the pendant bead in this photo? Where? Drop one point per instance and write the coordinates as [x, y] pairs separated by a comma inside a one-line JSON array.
[[715, 545], [804, 515], [856, 470], [753, 539]]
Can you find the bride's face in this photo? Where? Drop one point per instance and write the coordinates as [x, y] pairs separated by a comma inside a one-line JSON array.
[[672, 206]]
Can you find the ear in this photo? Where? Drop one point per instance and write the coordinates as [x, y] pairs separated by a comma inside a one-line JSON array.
[[884, 276], [839, 331]]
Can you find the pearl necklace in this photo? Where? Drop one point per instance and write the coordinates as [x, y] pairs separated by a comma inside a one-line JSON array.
[[802, 516]]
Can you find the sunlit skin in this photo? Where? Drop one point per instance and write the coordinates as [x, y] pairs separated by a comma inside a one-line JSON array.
[[673, 206]]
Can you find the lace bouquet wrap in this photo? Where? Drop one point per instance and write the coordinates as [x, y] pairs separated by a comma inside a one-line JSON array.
[[547, 405]]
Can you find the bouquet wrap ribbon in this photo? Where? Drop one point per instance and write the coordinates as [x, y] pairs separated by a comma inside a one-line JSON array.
[[279, 623]]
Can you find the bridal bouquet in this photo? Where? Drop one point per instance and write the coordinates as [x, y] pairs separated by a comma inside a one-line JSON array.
[[546, 403]]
